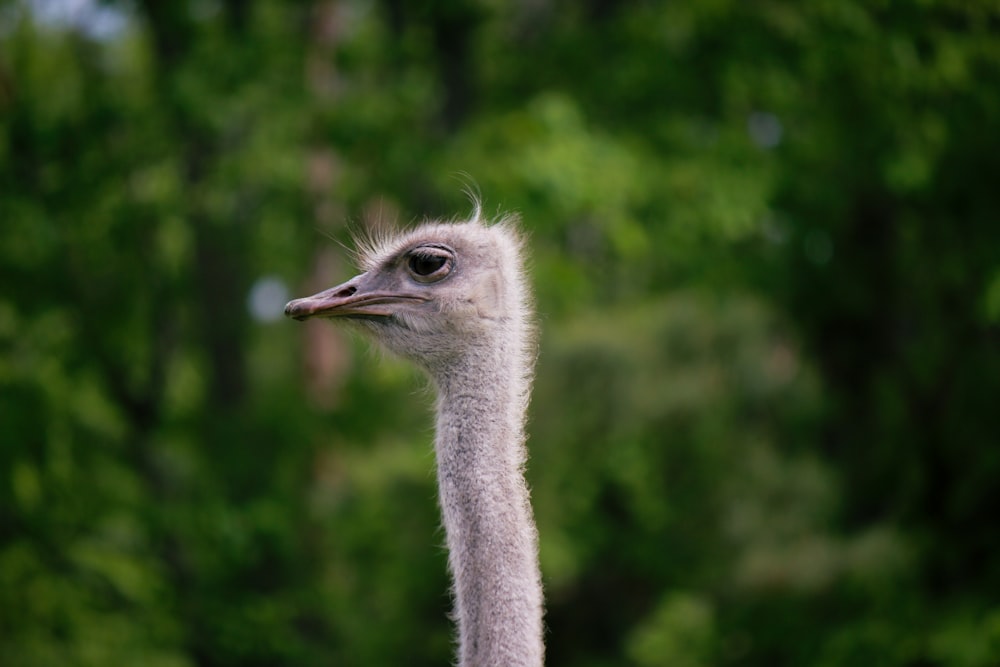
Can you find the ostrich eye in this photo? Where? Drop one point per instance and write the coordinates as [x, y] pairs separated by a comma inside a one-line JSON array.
[[429, 264]]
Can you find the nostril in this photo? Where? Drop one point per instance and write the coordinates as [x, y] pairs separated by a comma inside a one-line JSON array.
[[347, 291]]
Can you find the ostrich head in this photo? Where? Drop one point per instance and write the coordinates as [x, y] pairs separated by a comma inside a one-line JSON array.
[[433, 293]]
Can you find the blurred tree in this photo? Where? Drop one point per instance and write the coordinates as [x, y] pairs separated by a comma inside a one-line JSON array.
[[767, 264]]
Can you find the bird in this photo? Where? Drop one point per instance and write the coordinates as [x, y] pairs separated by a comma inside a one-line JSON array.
[[453, 298]]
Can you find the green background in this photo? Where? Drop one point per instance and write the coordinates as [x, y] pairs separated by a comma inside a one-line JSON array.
[[766, 250]]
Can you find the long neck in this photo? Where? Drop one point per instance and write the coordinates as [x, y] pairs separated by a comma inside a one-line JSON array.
[[492, 541]]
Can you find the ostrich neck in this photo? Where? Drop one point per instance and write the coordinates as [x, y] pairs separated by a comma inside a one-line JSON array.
[[492, 541]]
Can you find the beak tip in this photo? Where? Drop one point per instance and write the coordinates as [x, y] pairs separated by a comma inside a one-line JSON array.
[[292, 310]]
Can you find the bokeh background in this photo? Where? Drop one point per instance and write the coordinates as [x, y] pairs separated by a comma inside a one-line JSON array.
[[766, 249]]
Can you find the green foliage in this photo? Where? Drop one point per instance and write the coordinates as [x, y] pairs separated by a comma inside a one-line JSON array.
[[765, 250]]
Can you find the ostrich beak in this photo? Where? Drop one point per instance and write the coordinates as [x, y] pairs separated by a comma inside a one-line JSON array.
[[356, 298]]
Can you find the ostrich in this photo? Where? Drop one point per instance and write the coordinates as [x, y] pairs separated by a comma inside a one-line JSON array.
[[452, 298]]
